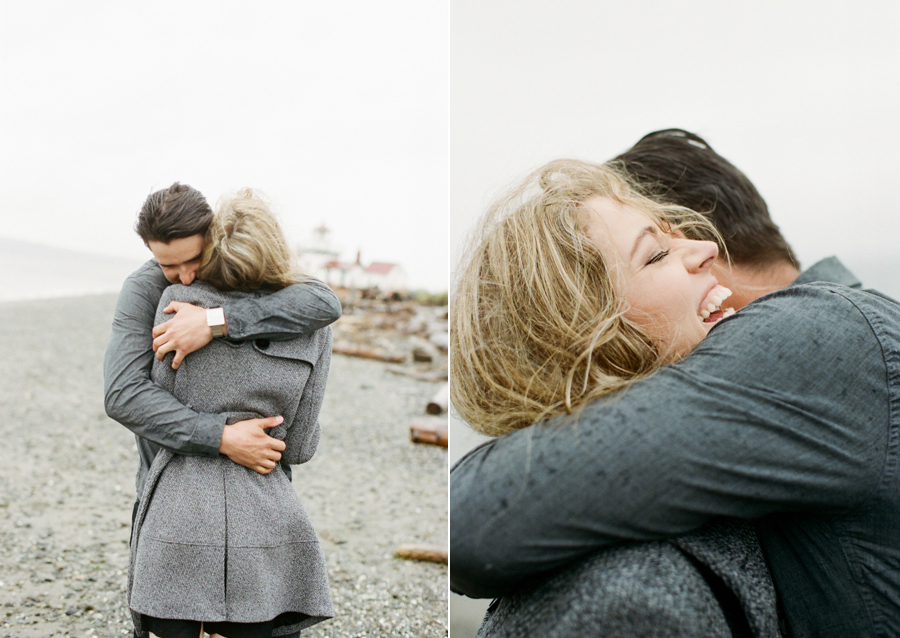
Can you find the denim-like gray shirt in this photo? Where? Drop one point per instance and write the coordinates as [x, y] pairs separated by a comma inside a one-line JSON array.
[[787, 413], [155, 416]]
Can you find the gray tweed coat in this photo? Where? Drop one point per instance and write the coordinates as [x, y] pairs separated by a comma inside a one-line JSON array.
[[213, 540], [712, 583]]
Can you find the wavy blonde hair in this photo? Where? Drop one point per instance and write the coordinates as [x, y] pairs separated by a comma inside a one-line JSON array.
[[246, 248], [537, 328]]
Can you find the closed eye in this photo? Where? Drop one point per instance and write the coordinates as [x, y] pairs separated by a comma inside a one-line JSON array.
[[658, 257]]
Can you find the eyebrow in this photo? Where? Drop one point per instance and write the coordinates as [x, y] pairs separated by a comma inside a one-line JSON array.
[[649, 230], [195, 258]]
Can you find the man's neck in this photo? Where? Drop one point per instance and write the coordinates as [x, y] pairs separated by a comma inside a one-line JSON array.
[[751, 282]]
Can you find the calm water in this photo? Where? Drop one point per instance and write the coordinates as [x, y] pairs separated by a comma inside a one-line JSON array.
[[32, 271]]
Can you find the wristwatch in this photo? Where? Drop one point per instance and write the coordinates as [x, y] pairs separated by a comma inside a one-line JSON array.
[[215, 319]]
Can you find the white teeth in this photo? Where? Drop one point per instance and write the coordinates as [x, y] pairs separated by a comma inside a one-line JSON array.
[[728, 312], [717, 295]]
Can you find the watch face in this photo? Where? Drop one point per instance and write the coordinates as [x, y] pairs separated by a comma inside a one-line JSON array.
[[215, 316], [215, 319]]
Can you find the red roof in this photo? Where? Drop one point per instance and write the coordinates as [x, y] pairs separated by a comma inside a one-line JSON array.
[[339, 265], [380, 267]]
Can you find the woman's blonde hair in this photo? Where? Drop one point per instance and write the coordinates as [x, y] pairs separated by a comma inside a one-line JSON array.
[[246, 248], [537, 327]]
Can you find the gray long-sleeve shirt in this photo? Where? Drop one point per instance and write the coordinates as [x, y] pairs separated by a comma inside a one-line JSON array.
[[788, 412], [154, 415]]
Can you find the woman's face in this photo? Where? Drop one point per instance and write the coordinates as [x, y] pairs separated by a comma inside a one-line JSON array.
[[665, 278]]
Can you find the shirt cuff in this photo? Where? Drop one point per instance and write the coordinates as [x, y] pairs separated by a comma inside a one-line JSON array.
[[207, 435]]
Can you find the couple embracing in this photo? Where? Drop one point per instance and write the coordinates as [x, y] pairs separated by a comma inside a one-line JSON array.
[[221, 380], [694, 438]]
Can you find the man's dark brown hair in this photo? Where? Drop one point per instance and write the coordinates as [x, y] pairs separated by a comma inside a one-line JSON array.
[[172, 213], [679, 167]]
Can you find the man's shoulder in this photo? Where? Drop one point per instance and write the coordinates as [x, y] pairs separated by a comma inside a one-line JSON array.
[[821, 308], [141, 290], [800, 332], [801, 296], [148, 275]]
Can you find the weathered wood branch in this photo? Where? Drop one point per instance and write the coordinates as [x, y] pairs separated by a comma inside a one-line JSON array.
[[368, 353], [419, 552]]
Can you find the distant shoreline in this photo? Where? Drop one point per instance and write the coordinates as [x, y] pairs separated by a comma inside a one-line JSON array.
[[54, 294], [31, 271]]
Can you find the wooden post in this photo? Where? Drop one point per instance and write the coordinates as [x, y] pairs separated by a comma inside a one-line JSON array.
[[439, 402]]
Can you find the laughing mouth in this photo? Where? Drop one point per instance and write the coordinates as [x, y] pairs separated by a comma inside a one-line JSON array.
[[711, 309]]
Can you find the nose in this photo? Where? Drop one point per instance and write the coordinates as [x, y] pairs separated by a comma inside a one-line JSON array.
[[187, 275], [699, 256]]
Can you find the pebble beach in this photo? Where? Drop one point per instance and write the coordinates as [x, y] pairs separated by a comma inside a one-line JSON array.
[[67, 487]]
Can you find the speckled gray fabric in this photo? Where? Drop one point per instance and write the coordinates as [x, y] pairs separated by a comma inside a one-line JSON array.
[[731, 550], [215, 541], [648, 590]]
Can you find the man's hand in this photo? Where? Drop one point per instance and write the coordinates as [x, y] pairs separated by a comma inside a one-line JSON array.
[[184, 333], [246, 443]]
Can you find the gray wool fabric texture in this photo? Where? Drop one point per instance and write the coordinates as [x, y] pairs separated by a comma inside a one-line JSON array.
[[213, 540], [649, 590]]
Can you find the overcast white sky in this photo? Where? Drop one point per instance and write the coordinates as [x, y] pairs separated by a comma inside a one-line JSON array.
[[801, 96], [336, 110]]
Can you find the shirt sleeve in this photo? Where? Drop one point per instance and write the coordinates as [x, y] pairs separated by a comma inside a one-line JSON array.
[[131, 398], [296, 310], [782, 408]]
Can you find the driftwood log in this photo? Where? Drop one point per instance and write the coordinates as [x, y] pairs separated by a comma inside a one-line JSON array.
[[368, 353], [429, 430], [419, 552], [430, 375], [438, 403]]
